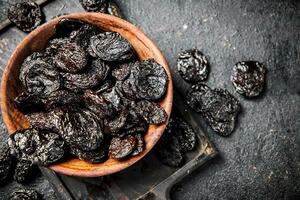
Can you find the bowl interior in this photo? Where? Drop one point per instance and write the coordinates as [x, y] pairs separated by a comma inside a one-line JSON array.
[[36, 41]]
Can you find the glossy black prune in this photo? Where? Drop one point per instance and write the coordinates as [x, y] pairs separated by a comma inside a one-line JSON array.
[[25, 194], [114, 126], [23, 171], [248, 78], [66, 26], [121, 148], [38, 76], [61, 98], [91, 77], [192, 65], [95, 156], [218, 106], [6, 161], [28, 102], [95, 5], [151, 112], [25, 15], [121, 72], [111, 46]]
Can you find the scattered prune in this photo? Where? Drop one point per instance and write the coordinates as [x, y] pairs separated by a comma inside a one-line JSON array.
[[148, 80], [152, 112], [28, 102], [23, 171], [91, 77], [61, 98], [122, 71], [38, 76], [192, 65], [248, 78], [218, 106], [70, 57], [25, 15], [121, 148], [140, 146], [94, 5], [65, 26], [25, 194], [114, 9], [111, 46], [6, 161]]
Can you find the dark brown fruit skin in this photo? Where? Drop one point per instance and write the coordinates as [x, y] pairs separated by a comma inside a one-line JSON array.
[[218, 106], [95, 5], [28, 103], [192, 65], [6, 161], [65, 26], [25, 194], [26, 15], [121, 148], [152, 112], [248, 78], [114, 126], [95, 156], [140, 146], [111, 46], [121, 72], [23, 171], [62, 98]]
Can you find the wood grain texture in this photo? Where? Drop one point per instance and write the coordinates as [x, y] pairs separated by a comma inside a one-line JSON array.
[[36, 41]]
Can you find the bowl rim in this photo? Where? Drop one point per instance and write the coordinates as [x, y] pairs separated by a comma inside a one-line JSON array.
[[120, 165]]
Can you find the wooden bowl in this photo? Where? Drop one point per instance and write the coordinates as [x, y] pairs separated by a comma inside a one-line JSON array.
[[36, 41]]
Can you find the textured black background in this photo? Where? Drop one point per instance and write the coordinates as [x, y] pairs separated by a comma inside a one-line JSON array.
[[261, 159]]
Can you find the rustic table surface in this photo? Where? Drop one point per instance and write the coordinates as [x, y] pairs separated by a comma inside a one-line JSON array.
[[261, 159]]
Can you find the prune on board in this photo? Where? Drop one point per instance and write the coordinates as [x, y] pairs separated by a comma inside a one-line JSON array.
[[79, 127], [111, 46], [95, 5], [114, 9], [121, 148], [91, 77], [6, 161], [61, 98], [23, 171], [218, 106], [151, 112], [248, 78], [25, 15], [25, 194], [192, 65], [28, 102], [70, 57], [38, 76], [121, 72], [98, 104], [140, 145], [65, 26], [148, 80]]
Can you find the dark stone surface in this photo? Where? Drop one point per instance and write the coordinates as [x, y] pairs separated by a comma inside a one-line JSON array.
[[261, 159]]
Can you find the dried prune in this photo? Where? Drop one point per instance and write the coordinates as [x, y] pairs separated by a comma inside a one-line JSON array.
[[115, 125], [121, 148], [28, 102], [152, 112], [25, 194], [94, 5], [218, 106], [23, 171], [107, 85], [41, 120], [70, 57], [135, 123], [148, 80], [6, 161], [38, 76], [111, 46], [25, 15], [140, 146], [248, 78], [122, 71], [114, 9], [61, 98], [91, 77], [65, 26], [114, 98], [78, 127], [192, 65]]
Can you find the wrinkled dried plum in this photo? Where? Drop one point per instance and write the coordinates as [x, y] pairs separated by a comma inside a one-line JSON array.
[[192, 65], [25, 194], [148, 80], [23, 171], [65, 26], [248, 78], [91, 77], [122, 71], [105, 87], [28, 102], [26, 15], [114, 9], [135, 123], [42, 120], [111, 46], [6, 161], [94, 5], [152, 112], [98, 104], [61, 98], [140, 146], [70, 57], [38, 76], [121, 148], [218, 106], [115, 125], [114, 98]]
